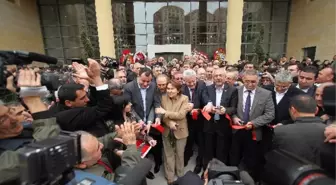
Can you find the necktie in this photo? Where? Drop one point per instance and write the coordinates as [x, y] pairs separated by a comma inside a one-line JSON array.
[[217, 117], [192, 94], [247, 108]]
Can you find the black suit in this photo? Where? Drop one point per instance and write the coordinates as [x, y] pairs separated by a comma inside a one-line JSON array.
[[282, 108], [218, 133], [90, 119], [195, 127], [304, 138], [132, 92]]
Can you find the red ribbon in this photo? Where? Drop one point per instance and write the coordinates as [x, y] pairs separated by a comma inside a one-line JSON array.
[[194, 114], [233, 126], [238, 127], [107, 168]]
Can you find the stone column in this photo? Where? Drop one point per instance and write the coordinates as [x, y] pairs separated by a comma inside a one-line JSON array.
[[105, 27], [234, 30]]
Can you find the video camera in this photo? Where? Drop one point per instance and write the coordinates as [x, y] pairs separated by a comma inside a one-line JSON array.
[[110, 62], [20, 58], [220, 174], [284, 168], [329, 103], [50, 161]]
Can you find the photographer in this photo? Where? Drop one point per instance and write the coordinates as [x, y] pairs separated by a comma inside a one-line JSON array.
[[14, 135]]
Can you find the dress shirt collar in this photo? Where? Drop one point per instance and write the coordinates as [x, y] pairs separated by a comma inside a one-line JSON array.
[[252, 92], [304, 90], [220, 87]]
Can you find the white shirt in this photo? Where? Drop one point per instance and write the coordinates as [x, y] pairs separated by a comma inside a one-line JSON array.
[[143, 95], [279, 96], [245, 94], [219, 93], [304, 90]]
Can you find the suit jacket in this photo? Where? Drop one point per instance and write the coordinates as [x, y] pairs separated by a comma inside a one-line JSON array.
[[262, 110], [304, 138], [229, 100], [90, 119], [282, 108], [133, 94], [200, 98], [176, 110]]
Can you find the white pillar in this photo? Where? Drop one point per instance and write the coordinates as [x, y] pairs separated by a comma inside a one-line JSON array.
[[105, 27], [234, 30]]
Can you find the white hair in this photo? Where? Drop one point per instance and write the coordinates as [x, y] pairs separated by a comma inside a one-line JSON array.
[[189, 73], [283, 76], [85, 136]]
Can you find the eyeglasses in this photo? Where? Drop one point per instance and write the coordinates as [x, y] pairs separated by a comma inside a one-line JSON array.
[[250, 81], [282, 86]]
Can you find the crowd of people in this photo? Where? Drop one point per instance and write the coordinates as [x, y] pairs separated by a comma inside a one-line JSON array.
[[234, 113]]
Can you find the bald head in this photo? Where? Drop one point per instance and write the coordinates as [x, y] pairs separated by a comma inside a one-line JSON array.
[[326, 75], [161, 82], [201, 74]]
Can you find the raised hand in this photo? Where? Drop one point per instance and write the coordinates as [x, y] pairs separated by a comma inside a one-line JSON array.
[[93, 73], [28, 78], [80, 70], [128, 135]]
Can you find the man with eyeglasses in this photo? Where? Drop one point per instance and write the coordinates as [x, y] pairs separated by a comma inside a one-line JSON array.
[[282, 92], [255, 109], [178, 77]]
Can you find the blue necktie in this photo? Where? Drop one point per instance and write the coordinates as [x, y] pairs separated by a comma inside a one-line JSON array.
[[217, 117], [247, 108]]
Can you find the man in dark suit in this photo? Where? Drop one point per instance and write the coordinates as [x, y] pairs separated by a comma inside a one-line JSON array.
[[305, 137], [255, 109], [198, 99], [142, 94], [307, 79], [218, 132], [71, 111], [282, 92]]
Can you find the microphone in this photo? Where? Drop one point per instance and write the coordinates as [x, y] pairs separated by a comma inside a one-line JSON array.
[[138, 173], [42, 58], [24, 57], [36, 57]]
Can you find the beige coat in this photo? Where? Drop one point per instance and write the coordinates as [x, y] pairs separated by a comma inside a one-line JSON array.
[[176, 110]]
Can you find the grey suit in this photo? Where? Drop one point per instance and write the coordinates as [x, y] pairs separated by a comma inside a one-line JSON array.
[[262, 111], [133, 94], [244, 150]]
